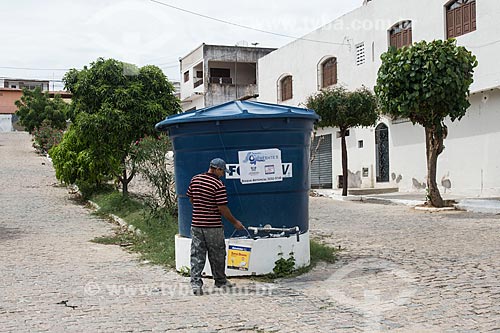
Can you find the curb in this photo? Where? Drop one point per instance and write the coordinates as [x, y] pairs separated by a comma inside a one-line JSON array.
[[121, 222]]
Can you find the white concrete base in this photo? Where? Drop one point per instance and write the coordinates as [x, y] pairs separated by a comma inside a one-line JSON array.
[[263, 256]]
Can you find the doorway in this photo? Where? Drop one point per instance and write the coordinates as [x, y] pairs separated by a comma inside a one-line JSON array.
[[382, 153]]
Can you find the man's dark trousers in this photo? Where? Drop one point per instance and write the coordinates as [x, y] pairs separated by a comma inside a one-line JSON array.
[[209, 240]]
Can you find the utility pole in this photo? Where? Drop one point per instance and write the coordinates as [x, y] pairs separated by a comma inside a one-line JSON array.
[[236, 74]]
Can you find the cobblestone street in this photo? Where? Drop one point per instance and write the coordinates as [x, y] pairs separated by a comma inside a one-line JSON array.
[[400, 270]]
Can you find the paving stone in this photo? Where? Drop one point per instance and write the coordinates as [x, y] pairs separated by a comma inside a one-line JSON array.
[[401, 270]]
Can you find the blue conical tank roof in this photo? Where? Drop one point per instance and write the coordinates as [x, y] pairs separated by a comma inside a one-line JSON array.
[[236, 110]]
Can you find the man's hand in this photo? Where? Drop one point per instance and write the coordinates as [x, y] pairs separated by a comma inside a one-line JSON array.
[[224, 210], [238, 225]]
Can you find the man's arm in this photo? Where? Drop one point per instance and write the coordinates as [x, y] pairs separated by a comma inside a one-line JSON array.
[[226, 212]]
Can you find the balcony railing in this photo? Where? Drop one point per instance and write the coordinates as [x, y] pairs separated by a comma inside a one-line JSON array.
[[221, 80], [197, 83]]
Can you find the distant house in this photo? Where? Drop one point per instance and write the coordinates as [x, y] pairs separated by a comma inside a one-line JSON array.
[[8, 96], [214, 74], [11, 90]]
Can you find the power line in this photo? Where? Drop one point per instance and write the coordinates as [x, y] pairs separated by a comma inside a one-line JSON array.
[[31, 78], [36, 69], [244, 26]]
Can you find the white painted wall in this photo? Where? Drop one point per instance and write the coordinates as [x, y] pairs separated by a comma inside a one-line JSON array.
[[187, 63], [472, 156]]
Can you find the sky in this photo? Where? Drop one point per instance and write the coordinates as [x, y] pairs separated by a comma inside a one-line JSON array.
[[43, 39]]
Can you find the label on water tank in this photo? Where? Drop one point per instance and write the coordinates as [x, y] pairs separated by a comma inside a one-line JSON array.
[[234, 170], [259, 166]]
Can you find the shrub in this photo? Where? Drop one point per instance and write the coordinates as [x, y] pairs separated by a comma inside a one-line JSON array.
[[150, 156], [46, 137]]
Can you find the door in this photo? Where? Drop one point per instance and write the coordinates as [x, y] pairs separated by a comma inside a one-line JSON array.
[[382, 153]]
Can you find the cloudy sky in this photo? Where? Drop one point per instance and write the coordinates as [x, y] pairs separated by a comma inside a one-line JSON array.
[[42, 39]]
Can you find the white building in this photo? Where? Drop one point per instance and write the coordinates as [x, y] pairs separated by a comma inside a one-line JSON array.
[[24, 83], [214, 74], [392, 154]]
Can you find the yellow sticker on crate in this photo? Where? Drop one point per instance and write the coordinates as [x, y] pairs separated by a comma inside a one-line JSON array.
[[238, 257]]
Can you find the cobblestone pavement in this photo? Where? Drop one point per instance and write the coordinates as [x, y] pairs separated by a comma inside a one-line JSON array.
[[401, 270]]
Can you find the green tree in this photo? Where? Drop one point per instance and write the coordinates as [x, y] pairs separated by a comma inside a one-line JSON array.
[[426, 83], [35, 106], [344, 109], [114, 104]]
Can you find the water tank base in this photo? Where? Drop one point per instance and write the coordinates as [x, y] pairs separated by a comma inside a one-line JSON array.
[[263, 254]]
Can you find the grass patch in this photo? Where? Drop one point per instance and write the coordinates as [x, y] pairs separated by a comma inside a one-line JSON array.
[[156, 242]]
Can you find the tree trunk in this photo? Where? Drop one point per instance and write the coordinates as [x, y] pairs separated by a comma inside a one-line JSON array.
[[124, 181], [344, 163], [434, 147]]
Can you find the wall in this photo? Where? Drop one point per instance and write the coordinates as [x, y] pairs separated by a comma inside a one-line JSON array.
[[187, 64], [7, 99]]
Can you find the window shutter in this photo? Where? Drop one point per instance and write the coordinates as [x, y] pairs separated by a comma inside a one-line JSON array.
[[450, 24], [329, 72], [286, 88], [466, 18], [473, 15], [393, 41], [458, 21]]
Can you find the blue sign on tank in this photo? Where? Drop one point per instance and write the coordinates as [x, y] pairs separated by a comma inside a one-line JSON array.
[[237, 132]]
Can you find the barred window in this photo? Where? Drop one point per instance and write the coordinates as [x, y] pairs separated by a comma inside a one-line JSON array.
[[460, 17], [400, 34]]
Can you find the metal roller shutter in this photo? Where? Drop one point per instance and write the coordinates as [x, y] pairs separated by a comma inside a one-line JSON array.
[[321, 167]]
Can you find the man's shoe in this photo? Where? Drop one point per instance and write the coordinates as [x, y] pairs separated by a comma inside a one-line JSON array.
[[197, 291], [225, 285]]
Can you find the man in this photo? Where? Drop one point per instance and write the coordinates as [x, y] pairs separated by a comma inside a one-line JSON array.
[[208, 196]]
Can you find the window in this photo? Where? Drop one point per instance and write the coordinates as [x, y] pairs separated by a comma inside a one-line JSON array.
[[360, 54], [329, 72], [286, 88], [360, 143], [186, 76], [460, 17], [400, 34]]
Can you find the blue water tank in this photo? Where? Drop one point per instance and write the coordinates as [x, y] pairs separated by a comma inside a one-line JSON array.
[[245, 126]]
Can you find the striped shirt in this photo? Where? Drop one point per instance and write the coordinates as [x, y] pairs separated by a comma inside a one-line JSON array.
[[207, 193]]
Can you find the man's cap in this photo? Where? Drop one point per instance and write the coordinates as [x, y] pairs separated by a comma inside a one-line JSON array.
[[219, 163]]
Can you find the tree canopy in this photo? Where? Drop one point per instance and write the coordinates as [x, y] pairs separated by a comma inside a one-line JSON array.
[[114, 104], [426, 83], [36, 106], [344, 109]]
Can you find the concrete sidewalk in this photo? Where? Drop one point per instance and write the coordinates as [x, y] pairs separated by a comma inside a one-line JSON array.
[[470, 204]]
